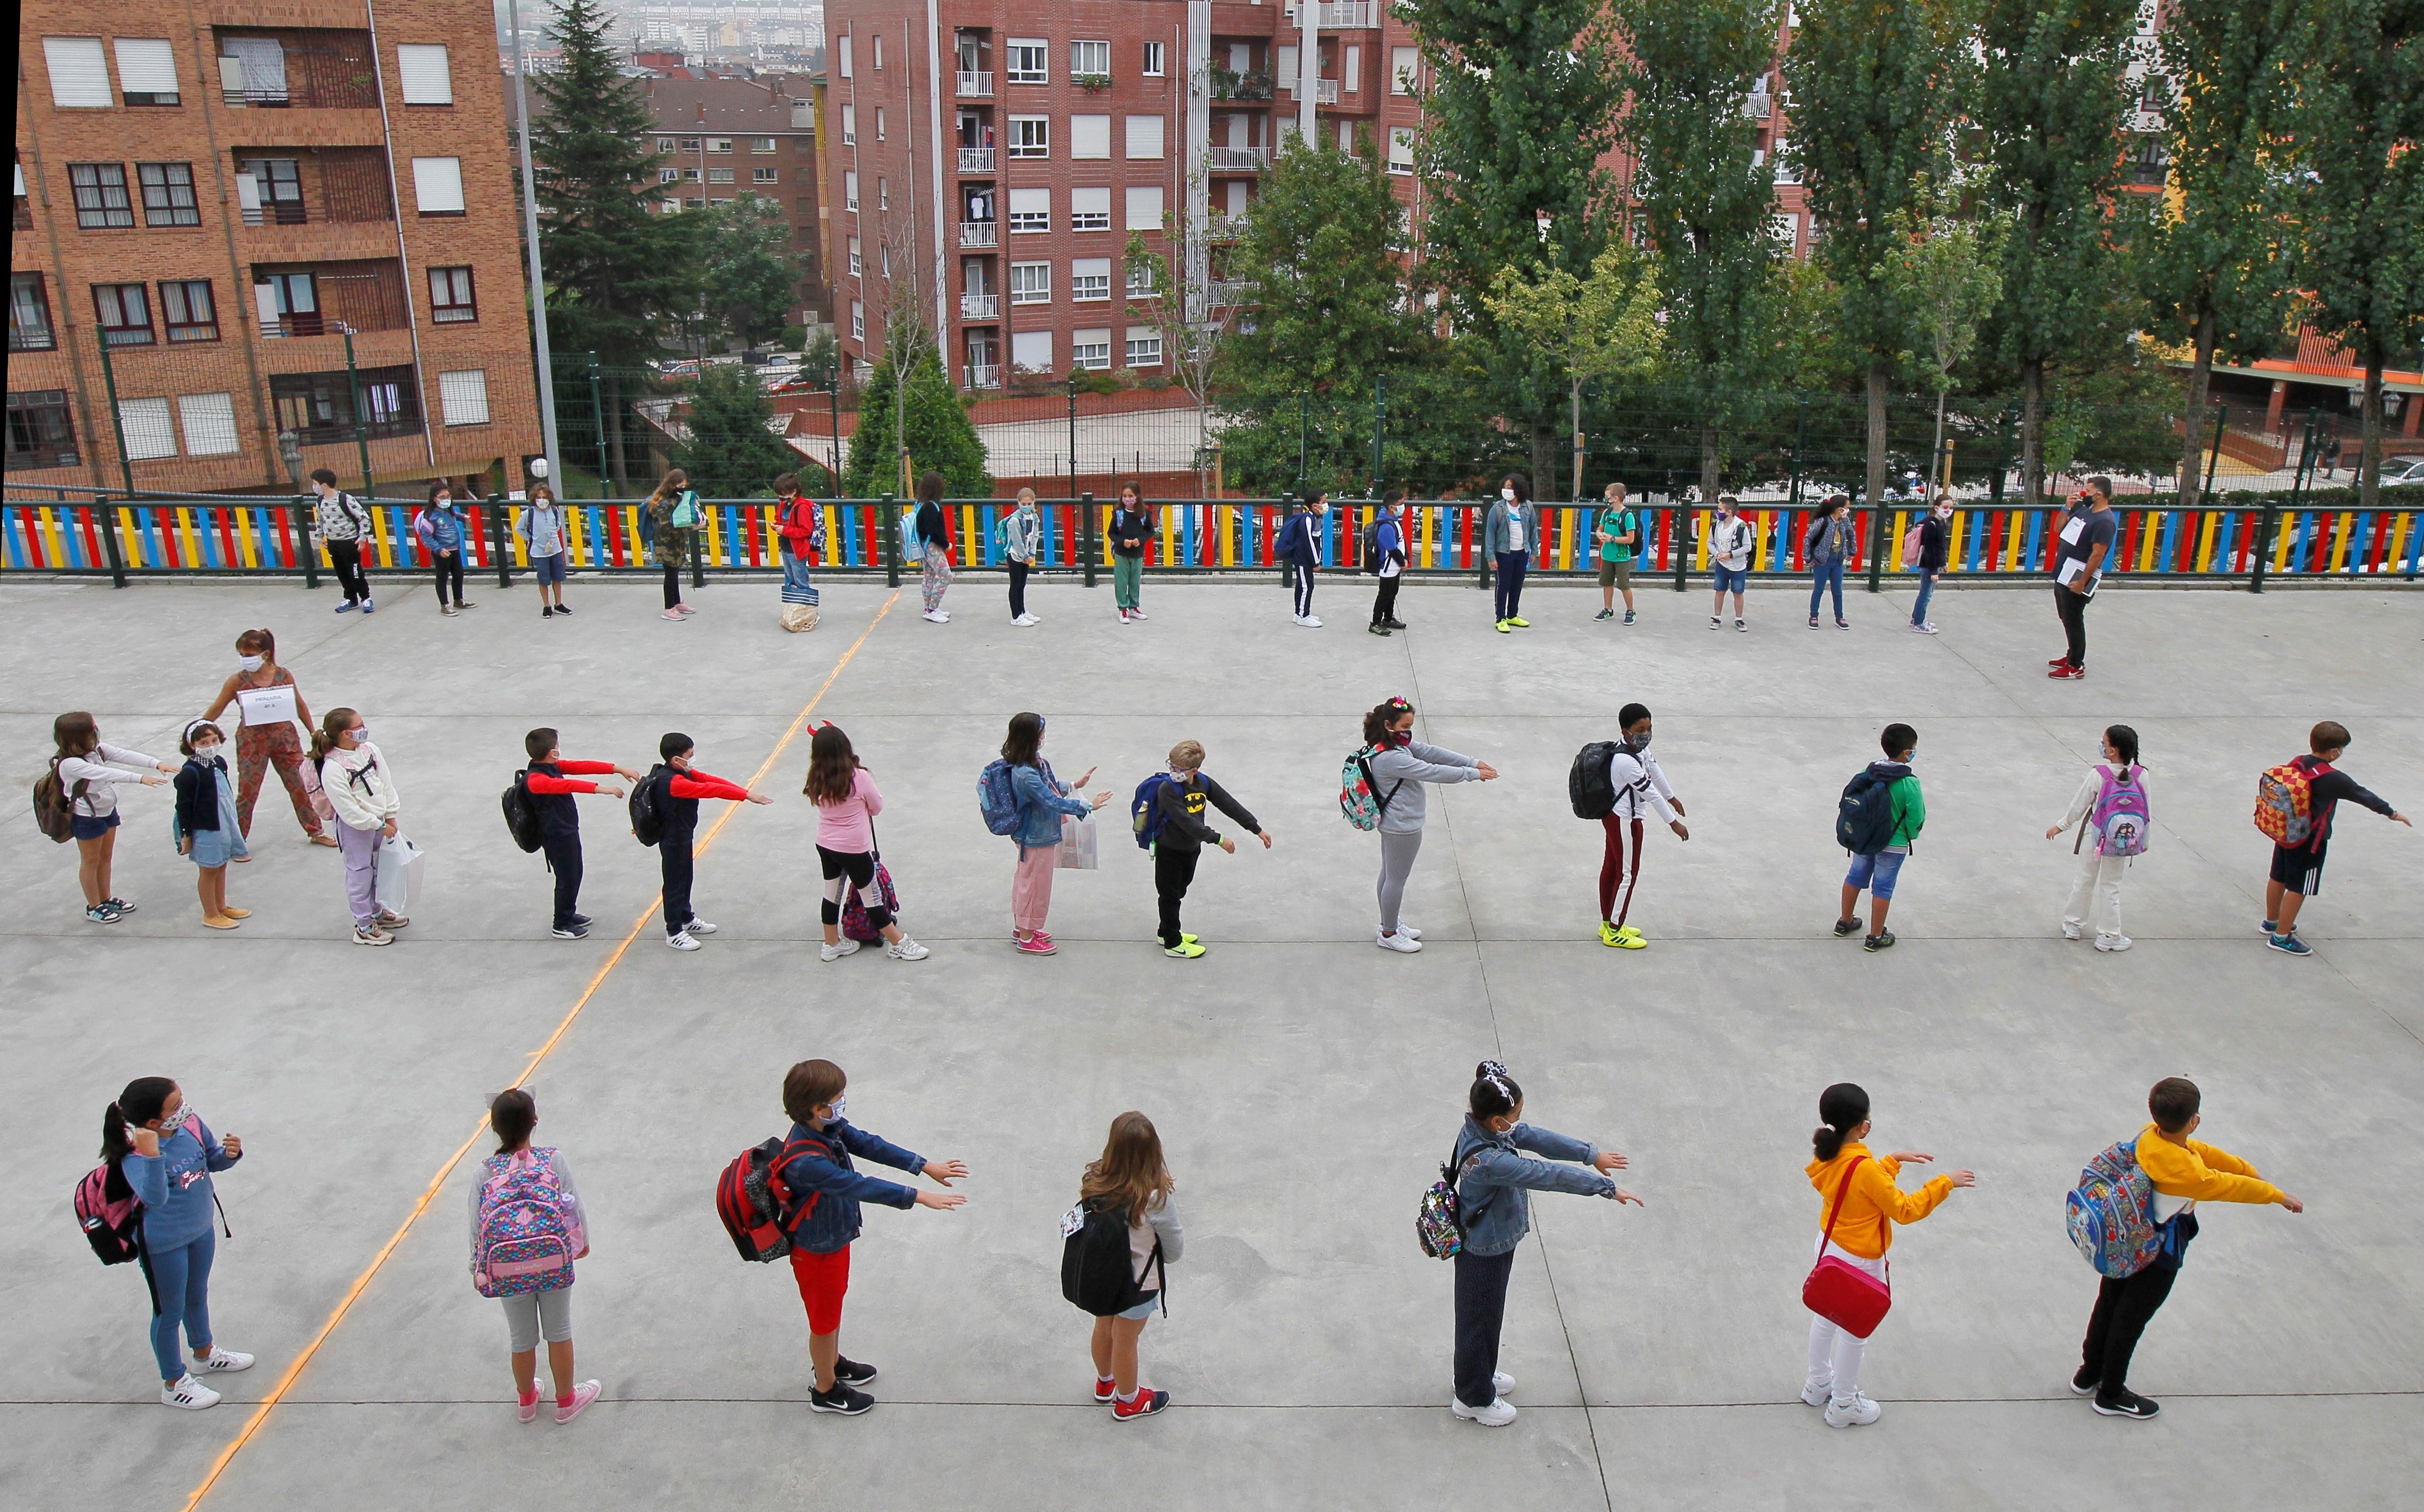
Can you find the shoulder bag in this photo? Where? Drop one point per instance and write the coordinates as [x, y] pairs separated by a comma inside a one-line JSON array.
[[1838, 1291]]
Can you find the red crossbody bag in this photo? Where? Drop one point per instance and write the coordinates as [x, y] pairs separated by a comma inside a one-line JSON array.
[[1838, 1291]]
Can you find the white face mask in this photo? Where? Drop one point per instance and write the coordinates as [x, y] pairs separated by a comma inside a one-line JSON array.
[[1508, 494], [250, 663], [841, 1105], [206, 750], [361, 734]]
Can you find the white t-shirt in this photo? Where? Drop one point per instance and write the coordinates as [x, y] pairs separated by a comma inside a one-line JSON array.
[[1514, 530]]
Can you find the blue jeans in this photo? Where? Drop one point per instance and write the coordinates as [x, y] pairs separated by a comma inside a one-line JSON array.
[[181, 1298], [1877, 874], [796, 589], [1827, 573], [1927, 592]]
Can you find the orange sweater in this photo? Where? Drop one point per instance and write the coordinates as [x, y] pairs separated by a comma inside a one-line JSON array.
[[2195, 1170], [1862, 1229]]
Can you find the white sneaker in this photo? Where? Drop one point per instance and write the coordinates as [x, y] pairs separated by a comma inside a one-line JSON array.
[[1139, 614], [1923, 630], [1817, 1396], [935, 616], [698, 926], [835, 952], [2113, 942], [1858, 1412], [906, 949], [188, 1393], [1404, 928], [1499, 1413], [1400, 941], [1027, 619], [2070, 932], [1500, 1381], [681, 942], [225, 1359], [1311, 622]]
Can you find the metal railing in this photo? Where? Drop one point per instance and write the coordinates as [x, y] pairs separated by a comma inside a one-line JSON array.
[[1228, 294], [975, 160], [1224, 228], [1336, 14], [980, 306], [981, 375], [980, 233], [975, 84], [100, 533], [1237, 159]]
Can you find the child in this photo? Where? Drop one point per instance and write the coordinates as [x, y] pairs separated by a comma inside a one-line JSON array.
[[2099, 875], [1830, 543], [1131, 528], [343, 526], [363, 807], [1299, 545], [1022, 538], [442, 526], [1184, 835], [519, 1181], [669, 502], [2297, 869], [1859, 1203], [934, 546], [1619, 541], [89, 771], [1730, 543], [1876, 872], [1935, 550], [1633, 775], [800, 526], [552, 781], [824, 1191], [1132, 1178], [1388, 562], [1398, 766], [205, 823], [1042, 799], [2184, 1173], [1510, 534], [167, 1158], [847, 803], [1493, 1185], [681, 786], [543, 528]]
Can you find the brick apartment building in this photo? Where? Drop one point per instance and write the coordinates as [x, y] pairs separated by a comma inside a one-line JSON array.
[[206, 202], [721, 137]]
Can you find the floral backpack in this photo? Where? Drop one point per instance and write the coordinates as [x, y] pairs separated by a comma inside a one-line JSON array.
[[1358, 797], [526, 1227]]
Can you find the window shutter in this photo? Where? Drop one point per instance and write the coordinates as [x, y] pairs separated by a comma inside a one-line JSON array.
[[427, 80], [209, 421], [1144, 136], [1031, 202], [79, 78], [1031, 350], [146, 423], [1145, 207], [1089, 136], [146, 65], [463, 397], [438, 185], [1090, 201]]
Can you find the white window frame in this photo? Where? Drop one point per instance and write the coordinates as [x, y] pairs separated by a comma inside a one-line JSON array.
[[1078, 68], [1095, 355], [1090, 138], [79, 74], [435, 182], [1143, 347], [1405, 69], [1037, 50], [1401, 149], [463, 397], [1350, 75], [425, 73], [1090, 208], [762, 144], [1030, 211], [1090, 281], [1040, 146], [1153, 59], [844, 40], [854, 262], [879, 52], [879, 123], [720, 146], [849, 124], [765, 175], [1140, 285], [1030, 283], [1145, 207], [1147, 137], [858, 321], [151, 435], [719, 176], [1032, 340], [850, 190]]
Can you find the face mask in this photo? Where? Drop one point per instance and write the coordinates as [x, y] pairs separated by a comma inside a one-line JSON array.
[[207, 750], [840, 1106], [361, 734], [250, 663], [171, 1122], [1944, 511], [1641, 744], [1508, 494]]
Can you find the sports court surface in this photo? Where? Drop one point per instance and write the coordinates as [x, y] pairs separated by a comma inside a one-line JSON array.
[[1306, 1085]]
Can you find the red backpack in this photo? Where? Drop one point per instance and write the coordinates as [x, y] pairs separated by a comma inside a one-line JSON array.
[[752, 1198], [112, 1222]]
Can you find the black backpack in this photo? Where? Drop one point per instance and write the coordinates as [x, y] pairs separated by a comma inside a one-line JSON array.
[[1589, 786], [521, 815], [1372, 562], [1096, 1269], [1864, 819], [647, 805]]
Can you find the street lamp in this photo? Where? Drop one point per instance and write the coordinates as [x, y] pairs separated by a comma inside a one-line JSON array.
[[290, 451]]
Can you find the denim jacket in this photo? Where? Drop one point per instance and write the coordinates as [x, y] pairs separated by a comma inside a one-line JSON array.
[[1493, 1196], [1042, 797], [835, 1221]]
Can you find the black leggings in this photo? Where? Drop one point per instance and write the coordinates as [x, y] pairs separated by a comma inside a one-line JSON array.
[[449, 570], [1017, 589], [845, 869], [1384, 603], [346, 557], [673, 583]]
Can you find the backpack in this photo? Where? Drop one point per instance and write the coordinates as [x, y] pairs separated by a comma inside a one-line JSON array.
[[1864, 820], [1588, 785], [1145, 810], [750, 1198], [2111, 1212], [1372, 547], [1358, 797], [112, 1224], [1911, 544], [854, 912], [814, 542], [2121, 813], [998, 797], [648, 806], [686, 513], [521, 815], [54, 804], [1439, 1222], [1097, 1272], [525, 1238], [2285, 802]]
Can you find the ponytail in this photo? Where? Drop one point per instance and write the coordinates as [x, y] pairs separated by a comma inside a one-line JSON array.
[[1842, 1108], [1494, 1092], [1376, 731], [333, 724], [2125, 740], [140, 1102]]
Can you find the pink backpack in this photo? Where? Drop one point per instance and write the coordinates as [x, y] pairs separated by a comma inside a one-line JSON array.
[[112, 1225], [527, 1226]]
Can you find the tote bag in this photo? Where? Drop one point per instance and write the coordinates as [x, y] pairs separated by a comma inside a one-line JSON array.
[[1839, 1292]]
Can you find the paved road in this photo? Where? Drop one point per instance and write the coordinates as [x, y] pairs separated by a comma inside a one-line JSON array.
[[1306, 1084]]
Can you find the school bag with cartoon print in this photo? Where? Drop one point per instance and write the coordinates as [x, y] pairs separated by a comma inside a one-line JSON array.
[[1439, 1222], [2120, 815], [525, 1242], [2285, 802], [2111, 1212]]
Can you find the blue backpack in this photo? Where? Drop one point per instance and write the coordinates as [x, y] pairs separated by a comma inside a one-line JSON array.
[[998, 798], [2111, 1212], [1864, 820], [1145, 810]]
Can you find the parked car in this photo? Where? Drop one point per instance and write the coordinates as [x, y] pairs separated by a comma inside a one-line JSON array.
[[2402, 469]]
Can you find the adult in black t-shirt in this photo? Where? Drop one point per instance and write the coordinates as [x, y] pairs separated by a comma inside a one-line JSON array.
[[2081, 550]]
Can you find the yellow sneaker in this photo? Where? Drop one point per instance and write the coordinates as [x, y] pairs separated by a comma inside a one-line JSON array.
[[1184, 951], [1610, 935], [1630, 942], [1629, 932], [1519, 622]]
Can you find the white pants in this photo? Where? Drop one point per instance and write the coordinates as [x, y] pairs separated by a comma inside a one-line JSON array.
[[2100, 876], [1834, 1355]]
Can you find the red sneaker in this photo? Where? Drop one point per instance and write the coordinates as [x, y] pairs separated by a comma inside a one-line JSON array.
[[1144, 1404], [1105, 1388], [2062, 661], [2067, 673]]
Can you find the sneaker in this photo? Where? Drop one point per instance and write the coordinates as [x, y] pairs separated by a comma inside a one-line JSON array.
[[1501, 1383], [1604, 613], [1376, 629], [392, 921], [447, 610], [1036, 945], [1715, 624], [1817, 1396], [2128, 1405], [1813, 622], [2082, 1383], [680, 941], [1519, 622], [842, 1399], [465, 603], [1878, 942], [835, 952], [224, 1361], [347, 607], [583, 920], [2062, 661], [935, 616], [219, 921], [566, 1408], [1499, 1413], [2071, 932], [1505, 628], [1857, 1412], [1394, 623], [685, 610], [1024, 620], [372, 934], [670, 613], [231, 911], [1124, 616], [1183, 950], [1105, 1389], [1924, 630], [570, 932], [2270, 926], [1401, 942], [1741, 626], [852, 1373], [2289, 945], [369, 608], [1139, 614], [2113, 942], [103, 913], [563, 609], [526, 1407], [547, 612], [2067, 673], [1845, 926], [1628, 617], [188, 1393], [1403, 928], [1144, 1404], [698, 926], [1609, 933], [1842, 624], [1630, 940], [1311, 622], [906, 949]]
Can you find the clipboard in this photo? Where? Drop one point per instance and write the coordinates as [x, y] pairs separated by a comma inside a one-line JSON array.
[[267, 706]]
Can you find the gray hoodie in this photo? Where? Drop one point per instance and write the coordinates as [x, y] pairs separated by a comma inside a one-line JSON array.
[[1399, 775]]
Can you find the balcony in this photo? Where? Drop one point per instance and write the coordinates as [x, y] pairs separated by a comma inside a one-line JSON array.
[[981, 375], [1228, 294], [1226, 85], [981, 307], [1237, 159], [328, 298], [975, 160], [1325, 92], [981, 234], [1759, 105], [302, 69], [1336, 14], [975, 84], [1220, 228]]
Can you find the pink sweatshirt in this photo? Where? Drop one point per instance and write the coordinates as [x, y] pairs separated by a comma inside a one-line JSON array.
[[848, 827]]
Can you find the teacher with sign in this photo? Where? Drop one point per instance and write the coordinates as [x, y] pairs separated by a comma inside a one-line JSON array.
[[266, 698]]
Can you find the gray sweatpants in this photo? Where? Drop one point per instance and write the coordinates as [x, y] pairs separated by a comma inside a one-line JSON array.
[[532, 1312], [1397, 853]]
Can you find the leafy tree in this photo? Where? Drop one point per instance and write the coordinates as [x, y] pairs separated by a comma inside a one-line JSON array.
[[1945, 273], [1704, 206], [2361, 209], [820, 360], [732, 454], [909, 390], [2050, 99], [1875, 85], [747, 270], [1193, 324], [1594, 330]]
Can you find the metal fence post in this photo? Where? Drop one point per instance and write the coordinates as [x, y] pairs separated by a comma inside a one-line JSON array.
[[109, 537], [597, 426], [299, 523], [1380, 430], [361, 432], [497, 532], [1879, 525], [1091, 543], [1675, 528], [891, 543], [116, 418], [1073, 431], [2214, 458]]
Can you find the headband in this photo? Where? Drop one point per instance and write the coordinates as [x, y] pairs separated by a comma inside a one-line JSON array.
[[196, 724]]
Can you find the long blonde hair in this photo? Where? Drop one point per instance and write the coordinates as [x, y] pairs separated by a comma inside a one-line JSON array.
[[1131, 1169], [673, 483]]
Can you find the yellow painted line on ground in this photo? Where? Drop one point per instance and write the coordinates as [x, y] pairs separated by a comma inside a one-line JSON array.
[[429, 1194]]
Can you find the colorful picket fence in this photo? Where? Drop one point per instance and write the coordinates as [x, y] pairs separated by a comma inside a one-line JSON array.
[[148, 535]]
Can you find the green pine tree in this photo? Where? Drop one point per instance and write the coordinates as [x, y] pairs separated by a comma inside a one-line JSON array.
[[940, 436], [731, 452], [748, 271]]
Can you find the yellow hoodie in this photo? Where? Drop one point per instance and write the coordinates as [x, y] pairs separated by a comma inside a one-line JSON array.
[[2196, 1171], [1862, 1229]]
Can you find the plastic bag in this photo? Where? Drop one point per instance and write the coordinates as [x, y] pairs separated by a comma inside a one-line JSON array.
[[398, 887], [1077, 837]]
